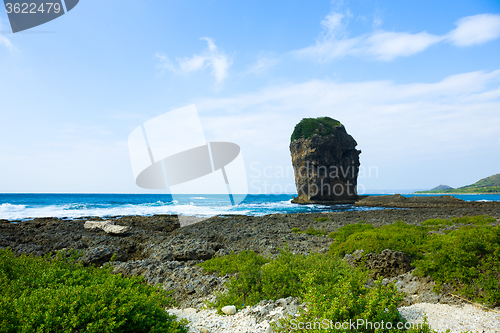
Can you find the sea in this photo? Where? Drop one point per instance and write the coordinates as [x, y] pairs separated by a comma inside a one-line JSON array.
[[26, 206]]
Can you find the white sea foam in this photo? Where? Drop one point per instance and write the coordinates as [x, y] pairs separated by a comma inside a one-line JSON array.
[[7, 207]]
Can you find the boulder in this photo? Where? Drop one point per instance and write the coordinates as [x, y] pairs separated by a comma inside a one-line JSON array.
[[96, 224], [325, 162], [229, 309], [115, 229]]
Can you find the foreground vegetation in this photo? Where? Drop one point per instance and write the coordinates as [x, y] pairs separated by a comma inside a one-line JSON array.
[[44, 294], [467, 257]]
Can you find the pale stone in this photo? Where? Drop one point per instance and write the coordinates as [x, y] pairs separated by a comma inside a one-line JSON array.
[[190, 310], [96, 224], [204, 330], [115, 229], [229, 309]]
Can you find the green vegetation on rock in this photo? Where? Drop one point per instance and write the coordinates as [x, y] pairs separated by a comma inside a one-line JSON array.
[[398, 236], [44, 294], [467, 257], [333, 290], [307, 127], [486, 185]]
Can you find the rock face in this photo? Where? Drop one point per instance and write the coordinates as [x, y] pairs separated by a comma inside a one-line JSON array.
[[325, 162], [387, 264]]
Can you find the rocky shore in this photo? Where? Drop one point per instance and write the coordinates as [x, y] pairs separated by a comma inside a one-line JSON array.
[[165, 253]]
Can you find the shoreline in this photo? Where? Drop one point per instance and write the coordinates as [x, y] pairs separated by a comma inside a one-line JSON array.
[[165, 253]]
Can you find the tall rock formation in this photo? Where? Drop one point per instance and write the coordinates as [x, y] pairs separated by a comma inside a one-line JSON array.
[[325, 162]]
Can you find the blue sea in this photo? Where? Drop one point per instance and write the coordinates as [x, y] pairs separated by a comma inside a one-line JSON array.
[[25, 206]]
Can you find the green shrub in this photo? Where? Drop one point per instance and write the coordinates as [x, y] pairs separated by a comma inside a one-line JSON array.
[[307, 127], [436, 222], [336, 293], [322, 219], [333, 289], [398, 236], [233, 263], [56, 295], [469, 258], [477, 220], [296, 230], [347, 230], [315, 232]]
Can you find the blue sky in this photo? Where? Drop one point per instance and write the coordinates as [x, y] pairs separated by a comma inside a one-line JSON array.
[[416, 83]]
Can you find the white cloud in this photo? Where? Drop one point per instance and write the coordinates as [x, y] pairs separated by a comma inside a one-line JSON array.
[[262, 65], [388, 45], [477, 29], [332, 23], [394, 124], [218, 61], [4, 41]]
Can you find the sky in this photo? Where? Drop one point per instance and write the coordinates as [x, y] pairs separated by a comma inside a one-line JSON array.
[[416, 83]]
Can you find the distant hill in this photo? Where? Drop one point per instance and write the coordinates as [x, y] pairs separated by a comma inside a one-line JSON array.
[[442, 187], [486, 185]]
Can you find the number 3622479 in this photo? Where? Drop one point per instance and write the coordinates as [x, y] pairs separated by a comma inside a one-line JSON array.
[[32, 8]]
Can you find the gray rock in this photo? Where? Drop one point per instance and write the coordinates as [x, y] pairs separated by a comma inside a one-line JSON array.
[[102, 254], [325, 165], [115, 229], [388, 263], [96, 224]]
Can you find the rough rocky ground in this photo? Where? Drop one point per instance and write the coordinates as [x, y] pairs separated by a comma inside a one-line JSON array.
[[166, 254]]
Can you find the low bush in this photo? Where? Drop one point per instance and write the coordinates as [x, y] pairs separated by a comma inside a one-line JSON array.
[[347, 230], [477, 220], [322, 219], [332, 290], [44, 294], [436, 222], [398, 236], [468, 258]]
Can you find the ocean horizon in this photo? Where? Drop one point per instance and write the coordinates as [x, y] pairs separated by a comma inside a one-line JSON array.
[[26, 206]]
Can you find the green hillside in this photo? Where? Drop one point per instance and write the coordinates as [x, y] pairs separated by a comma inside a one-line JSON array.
[[486, 185]]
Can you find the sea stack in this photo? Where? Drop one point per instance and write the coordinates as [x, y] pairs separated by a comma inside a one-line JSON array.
[[325, 162]]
